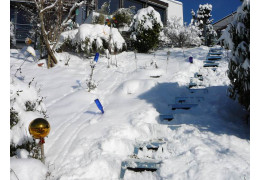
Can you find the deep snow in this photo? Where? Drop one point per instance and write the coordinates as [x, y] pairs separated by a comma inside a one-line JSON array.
[[210, 141]]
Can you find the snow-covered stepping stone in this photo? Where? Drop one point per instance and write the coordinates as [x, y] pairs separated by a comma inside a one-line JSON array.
[[211, 65], [194, 90], [215, 53], [218, 49], [138, 165], [182, 106], [155, 73], [208, 61], [174, 127], [192, 84], [165, 117], [154, 146], [199, 76]]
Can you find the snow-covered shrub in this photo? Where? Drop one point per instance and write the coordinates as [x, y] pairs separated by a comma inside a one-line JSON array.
[[26, 105], [89, 38], [12, 35], [181, 35], [124, 17], [146, 27], [236, 37], [203, 22]]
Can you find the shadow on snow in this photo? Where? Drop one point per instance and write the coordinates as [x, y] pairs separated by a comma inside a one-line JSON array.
[[217, 113]]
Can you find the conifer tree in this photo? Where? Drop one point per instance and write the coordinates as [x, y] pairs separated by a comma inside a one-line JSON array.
[[236, 37], [203, 22]]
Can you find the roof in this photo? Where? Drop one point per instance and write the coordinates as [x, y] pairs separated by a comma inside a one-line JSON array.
[[222, 23]]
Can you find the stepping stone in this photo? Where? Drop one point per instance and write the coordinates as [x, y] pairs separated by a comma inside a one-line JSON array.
[[208, 61], [138, 165], [174, 127], [215, 53], [166, 117], [211, 65], [155, 76], [204, 90], [192, 84], [216, 50], [182, 106], [199, 76], [214, 58], [188, 100]]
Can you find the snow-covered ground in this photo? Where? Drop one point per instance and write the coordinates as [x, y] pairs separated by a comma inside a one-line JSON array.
[[209, 141]]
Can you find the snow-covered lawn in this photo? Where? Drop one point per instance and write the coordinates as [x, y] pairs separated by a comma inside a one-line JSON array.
[[209, 141]]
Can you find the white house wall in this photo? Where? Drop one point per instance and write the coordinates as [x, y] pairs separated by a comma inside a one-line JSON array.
[[175, 8]]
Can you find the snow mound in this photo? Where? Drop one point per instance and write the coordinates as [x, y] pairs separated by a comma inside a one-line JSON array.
[[142, 15], [29, 169], [88, 35], [135, 86]]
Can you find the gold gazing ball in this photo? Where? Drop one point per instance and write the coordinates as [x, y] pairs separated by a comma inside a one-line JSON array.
[[39, 128]]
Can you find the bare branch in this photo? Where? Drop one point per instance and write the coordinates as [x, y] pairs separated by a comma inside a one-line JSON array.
[[72, 9], [37, 5], [50, 6]]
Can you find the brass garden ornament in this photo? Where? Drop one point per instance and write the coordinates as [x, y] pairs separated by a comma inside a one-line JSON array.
[[39, 128]]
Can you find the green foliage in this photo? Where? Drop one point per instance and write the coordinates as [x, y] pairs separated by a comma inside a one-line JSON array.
[[30, 106], [99, 19], [30, 146], [239, 72], [146, 38], [13, 118], [67, 46], [123, 16]]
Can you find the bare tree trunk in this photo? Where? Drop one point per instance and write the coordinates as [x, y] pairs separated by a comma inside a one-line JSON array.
[[51, 57]]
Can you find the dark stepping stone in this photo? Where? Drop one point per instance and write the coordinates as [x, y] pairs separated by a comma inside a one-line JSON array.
[[182, 106], [211, 65], [215, 53], [137, 165], [155, 76], [166, 117]]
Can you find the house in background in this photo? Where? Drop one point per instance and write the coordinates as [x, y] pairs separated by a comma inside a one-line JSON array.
[[222, 24], [19, 12], [166, 8]]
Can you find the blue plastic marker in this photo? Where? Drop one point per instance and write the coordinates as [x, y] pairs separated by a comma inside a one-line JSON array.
[[99, 105], [191, 59], [96, 57]]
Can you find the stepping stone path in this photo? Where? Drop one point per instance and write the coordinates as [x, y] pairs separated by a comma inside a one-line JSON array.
[[215, 54], [138, 165]]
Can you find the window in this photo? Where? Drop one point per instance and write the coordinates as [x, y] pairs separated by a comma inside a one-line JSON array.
[[129, 3], [114, 5]]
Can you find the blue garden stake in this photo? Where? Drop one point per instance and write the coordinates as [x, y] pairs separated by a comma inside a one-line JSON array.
[[191, 59], [99, 105], [96, 57]]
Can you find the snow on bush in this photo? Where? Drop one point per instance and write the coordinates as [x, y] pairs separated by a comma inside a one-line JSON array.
[[236, 37], [89, 38], [124, 17], [145, 28], [26, 105], [181, 35]]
